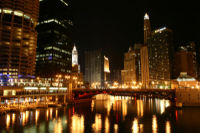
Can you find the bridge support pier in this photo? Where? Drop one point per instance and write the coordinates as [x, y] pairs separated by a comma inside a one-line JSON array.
[[33, 99], [38, 99], [64, 99], [18, 98], [70, 92], [45, 99], [56, 99]]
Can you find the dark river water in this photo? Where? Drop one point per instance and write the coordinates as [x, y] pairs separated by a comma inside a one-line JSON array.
[[106, 114]]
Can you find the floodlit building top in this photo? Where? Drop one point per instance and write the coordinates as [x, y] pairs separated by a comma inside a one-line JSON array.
[[146, 16]]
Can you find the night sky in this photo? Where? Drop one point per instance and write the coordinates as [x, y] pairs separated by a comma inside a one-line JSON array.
[[115, 25]]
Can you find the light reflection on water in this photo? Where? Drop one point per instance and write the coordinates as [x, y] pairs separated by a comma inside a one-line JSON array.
[[97, 125], [154, 124], [104, 113], [77, 124]]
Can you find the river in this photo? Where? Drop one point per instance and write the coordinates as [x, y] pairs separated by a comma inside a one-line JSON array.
[[105, 113]]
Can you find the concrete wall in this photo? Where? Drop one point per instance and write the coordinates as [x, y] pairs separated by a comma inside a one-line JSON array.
[[188, 97]]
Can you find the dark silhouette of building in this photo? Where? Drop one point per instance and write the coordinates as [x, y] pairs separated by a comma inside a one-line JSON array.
[[137, 48], [54, 52], [116, 75], [18, 37], [185, 61], [96, 68]]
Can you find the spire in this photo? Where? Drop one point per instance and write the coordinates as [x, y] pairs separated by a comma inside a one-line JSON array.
[[146, 16], [74, 48], [74, 56]]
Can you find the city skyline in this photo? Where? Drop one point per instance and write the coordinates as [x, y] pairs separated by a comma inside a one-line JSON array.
[[114, 26], [140, 66]]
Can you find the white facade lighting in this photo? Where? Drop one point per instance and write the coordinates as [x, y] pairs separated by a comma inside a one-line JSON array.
[[63, 88], [53, 88], [146, 16], [31, 88], [43, 88]]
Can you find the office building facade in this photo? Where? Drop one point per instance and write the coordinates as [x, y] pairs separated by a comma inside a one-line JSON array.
[[185, 61], [54, 51], [144, 66], [18, 37], [96, 68], [128, 74], [161, 56]]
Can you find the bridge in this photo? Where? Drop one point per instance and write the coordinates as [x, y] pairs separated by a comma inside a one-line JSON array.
[[70, 95], [154, 93]]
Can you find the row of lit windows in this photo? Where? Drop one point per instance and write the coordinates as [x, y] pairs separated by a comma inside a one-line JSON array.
[[52, 20], [56, 21], [10, 73], [5, 69], [43, 55], [58, 49], [48, 55], [16, 13], [56, 62]]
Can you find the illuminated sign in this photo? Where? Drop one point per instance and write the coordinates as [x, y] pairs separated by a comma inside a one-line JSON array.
[[160, 30]]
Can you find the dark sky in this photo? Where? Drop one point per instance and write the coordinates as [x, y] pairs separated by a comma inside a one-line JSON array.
[[115, 25]]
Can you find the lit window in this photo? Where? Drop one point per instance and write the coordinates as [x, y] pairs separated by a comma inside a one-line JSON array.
[[7, 11], [18, 13]]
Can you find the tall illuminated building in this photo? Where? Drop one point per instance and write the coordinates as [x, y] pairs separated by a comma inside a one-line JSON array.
[[18, 37], [128, 74], [74, 56], [144, 66], [161, 56], [75, 65], [147, 28], [106, 70], [54, 51]]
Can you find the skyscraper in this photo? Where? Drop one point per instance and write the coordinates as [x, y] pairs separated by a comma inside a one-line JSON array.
[[137, 48], [106, 71], [96, 68], [144, 66], [144, 53], [18, 37], [54, 52], [147, 28], [161, 55], [128, 75]]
